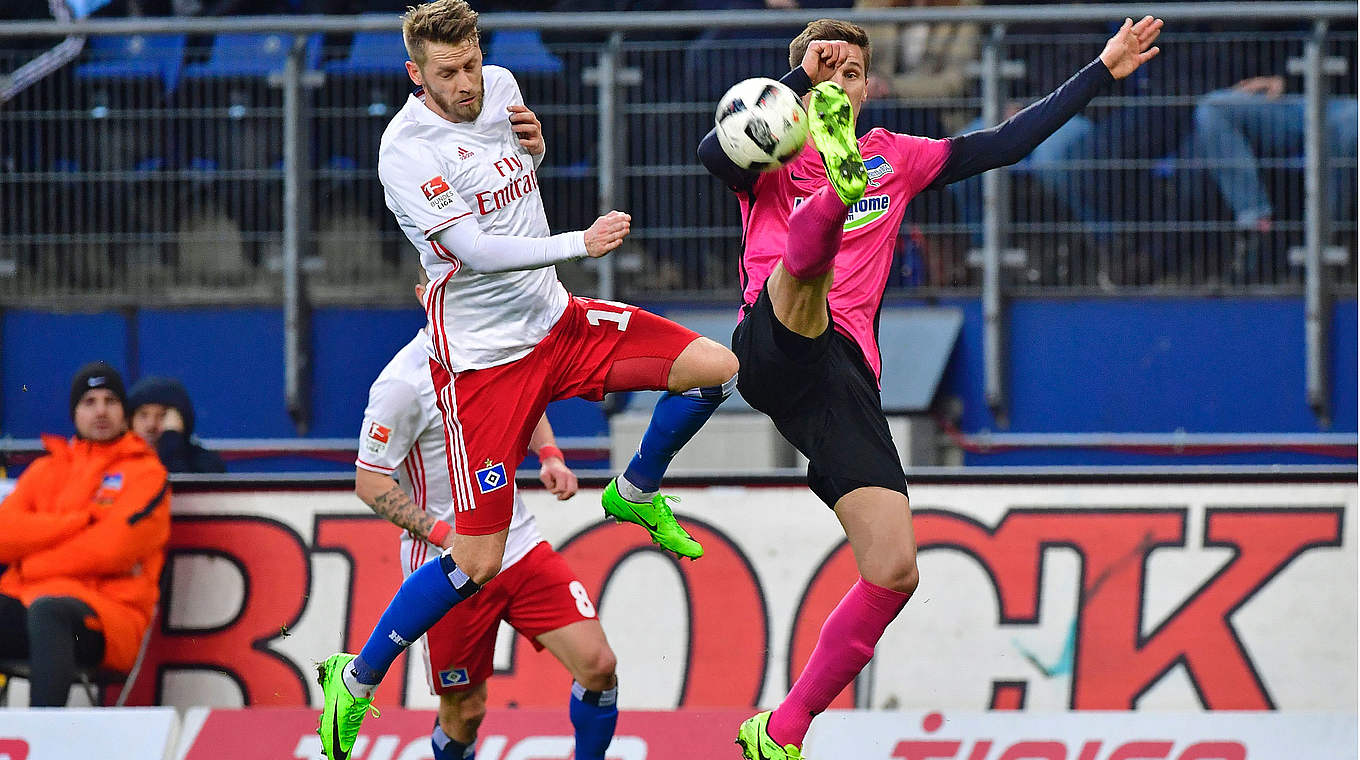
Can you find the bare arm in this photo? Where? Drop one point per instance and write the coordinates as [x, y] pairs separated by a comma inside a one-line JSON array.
[[553, 471], [382, 494]]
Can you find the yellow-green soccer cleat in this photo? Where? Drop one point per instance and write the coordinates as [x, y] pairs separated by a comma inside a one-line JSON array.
[[343, 713], [831, 121], [756, 744], [656, 517]]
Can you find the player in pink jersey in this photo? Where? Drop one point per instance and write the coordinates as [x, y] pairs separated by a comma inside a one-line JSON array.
[[819, 235], [458, 165]]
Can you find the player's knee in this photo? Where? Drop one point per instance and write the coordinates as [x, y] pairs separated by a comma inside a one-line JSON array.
[[726, 366], [597, 668], [481, 569], [899, 574], [905, 576]]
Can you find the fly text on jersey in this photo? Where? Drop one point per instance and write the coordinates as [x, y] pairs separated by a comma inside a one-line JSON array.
[[516, 188]]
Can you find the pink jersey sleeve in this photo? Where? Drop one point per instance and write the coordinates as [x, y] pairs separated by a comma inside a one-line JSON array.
[[922, 159]]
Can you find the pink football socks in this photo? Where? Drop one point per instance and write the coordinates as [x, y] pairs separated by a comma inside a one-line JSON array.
[[815, 228], [843, 649]]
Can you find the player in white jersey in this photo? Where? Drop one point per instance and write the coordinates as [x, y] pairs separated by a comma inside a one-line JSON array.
[[459, 166], [536, 592]]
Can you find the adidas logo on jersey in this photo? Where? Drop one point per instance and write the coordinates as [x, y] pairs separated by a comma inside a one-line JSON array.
[[463, 153]]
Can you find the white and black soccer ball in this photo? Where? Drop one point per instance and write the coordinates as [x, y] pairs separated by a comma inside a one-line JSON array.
[[761, 124]]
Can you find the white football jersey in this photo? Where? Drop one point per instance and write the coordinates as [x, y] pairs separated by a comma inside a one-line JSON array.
[[435, 172], [403, 436]]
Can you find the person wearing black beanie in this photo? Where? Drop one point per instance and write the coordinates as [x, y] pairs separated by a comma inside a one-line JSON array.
[[95, 417], [162, 414]]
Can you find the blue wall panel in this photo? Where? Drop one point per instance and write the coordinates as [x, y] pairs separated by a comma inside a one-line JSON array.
[[350, 347], [40, 353], [230, 360], [1097, 365], [1154, 365], [1344, 354]]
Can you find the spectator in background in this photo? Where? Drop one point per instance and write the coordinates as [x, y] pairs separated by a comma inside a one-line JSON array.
[[84, 538], [1234, 127], [923, 61], [164, 417]]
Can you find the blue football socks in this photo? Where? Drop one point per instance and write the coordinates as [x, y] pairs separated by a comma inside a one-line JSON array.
[[423, 598], [675, 420], [447, 748], [594, 714]]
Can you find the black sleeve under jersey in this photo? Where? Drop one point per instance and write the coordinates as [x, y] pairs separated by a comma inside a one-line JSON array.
[[716, 161], [1002, 145]]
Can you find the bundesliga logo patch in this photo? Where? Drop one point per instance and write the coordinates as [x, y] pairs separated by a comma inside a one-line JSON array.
[[437, 192], [491, 477], [378, 438]]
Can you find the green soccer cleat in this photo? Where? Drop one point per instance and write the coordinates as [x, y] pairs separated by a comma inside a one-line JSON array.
[[831, 121], [756, 744], [656, 517], [343, 713]]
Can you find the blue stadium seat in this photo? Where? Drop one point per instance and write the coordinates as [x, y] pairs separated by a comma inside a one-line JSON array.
[[371, 53], [83, 8], [251, 55], [522, 51], [135, 57]]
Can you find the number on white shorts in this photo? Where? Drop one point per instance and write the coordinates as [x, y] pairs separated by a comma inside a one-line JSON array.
[[582, 599]]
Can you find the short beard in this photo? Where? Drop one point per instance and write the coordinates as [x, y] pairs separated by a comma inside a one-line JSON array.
[[459, 113]]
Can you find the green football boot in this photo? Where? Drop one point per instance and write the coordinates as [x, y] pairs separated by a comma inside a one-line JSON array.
[[656, 517], [343, 713], [756, 744], [831, 121]]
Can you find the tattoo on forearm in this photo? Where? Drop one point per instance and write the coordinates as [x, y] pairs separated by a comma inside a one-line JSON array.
[[397, 507]]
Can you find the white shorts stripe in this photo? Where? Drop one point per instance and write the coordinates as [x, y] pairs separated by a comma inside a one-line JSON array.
[[453, 435], [460, 449]]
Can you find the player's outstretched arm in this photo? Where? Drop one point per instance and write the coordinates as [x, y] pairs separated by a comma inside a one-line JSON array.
[[482, 252], [382, 494], [976, 152]]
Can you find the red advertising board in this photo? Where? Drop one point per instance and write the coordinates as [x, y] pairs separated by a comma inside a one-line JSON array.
[[529, 734]]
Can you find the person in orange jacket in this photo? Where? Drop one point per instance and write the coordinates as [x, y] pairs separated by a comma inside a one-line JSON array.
[[83, 535]]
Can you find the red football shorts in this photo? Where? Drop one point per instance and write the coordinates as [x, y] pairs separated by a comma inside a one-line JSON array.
[[538, 594], [489, 414]]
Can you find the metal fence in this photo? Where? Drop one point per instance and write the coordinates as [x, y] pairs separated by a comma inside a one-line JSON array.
[[154, 167]]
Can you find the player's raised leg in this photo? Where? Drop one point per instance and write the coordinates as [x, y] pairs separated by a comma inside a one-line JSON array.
[[799, 284], [691, 398], [488, 415], [348, 681]]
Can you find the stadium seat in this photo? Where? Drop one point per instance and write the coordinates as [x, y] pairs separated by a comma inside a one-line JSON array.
[[136, 57], [91, 679], [251, 55], [371, 53], [83, 8], [522, 51]]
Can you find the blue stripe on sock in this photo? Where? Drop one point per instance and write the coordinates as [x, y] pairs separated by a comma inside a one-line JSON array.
[[423, 598], [675, 420]]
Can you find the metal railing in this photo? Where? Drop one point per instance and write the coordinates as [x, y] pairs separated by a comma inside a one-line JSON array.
[[211, 183]]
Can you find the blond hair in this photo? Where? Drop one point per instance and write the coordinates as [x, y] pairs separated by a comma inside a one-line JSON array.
[[829, 29], [450, 22]]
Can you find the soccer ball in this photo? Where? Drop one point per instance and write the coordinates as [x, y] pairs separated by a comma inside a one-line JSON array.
[[761, 124]]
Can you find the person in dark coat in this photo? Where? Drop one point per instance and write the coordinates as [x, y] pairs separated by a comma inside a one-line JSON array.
[[163, 415]]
